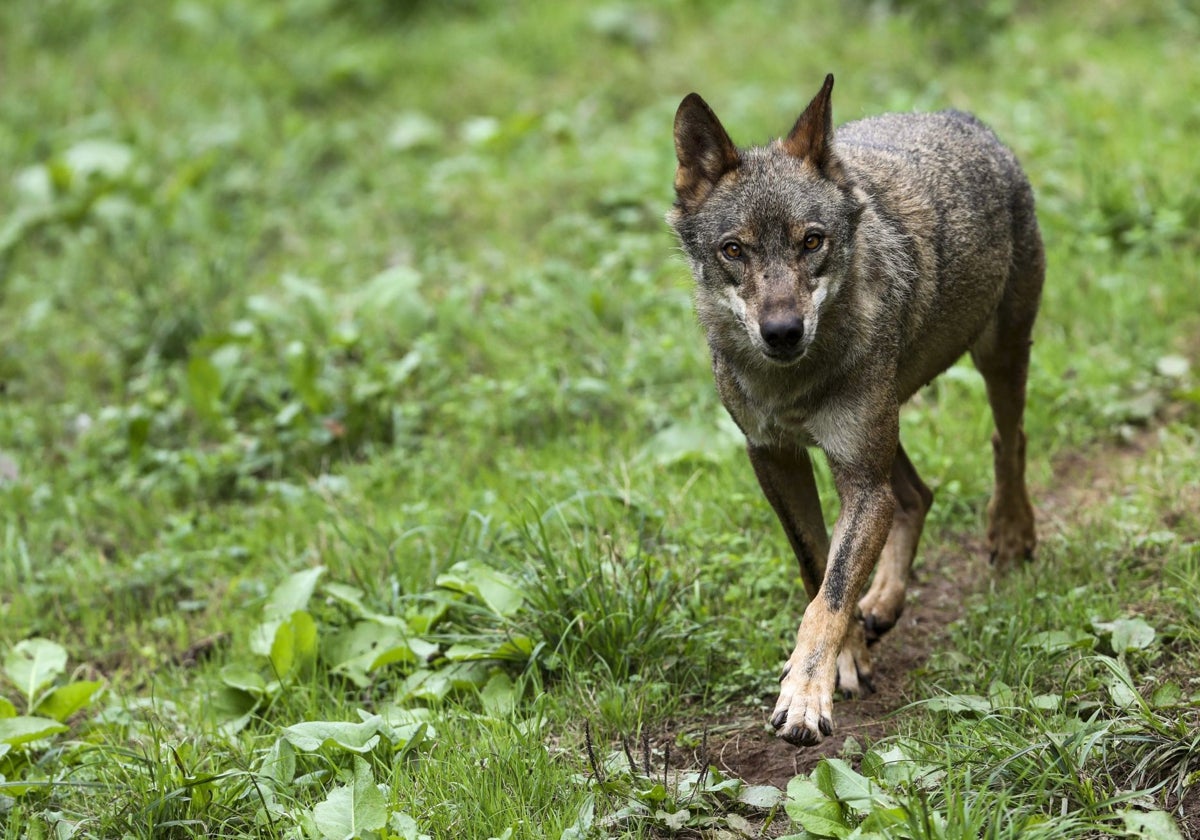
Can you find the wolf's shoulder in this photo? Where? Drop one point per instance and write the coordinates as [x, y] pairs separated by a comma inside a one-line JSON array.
[[921, 132]]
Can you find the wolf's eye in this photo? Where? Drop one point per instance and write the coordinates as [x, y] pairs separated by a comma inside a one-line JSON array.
[[813, 241], [732, 250]]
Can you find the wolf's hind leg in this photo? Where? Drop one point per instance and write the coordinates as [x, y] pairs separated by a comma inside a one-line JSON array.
[[1002, 355], [884, 602]]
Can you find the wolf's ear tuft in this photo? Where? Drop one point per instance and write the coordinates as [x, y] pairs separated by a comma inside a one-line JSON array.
[[811, 137], [704, 150]]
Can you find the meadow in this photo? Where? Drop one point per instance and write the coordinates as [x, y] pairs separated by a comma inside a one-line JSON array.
[[362, 475]]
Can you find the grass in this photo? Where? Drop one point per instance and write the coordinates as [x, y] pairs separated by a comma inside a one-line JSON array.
[[383, 290]]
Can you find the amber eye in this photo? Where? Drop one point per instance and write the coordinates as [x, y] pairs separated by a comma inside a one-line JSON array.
[[813, 241], [732, 250]]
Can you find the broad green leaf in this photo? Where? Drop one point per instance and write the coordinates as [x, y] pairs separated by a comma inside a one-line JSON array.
[[1001, 695], [351, 811], [26, 728], [467, 676], [891, 764], [960, 704], [1056, 641], [1046, 702], [262, 637], [425, 619], [294, 649], [231, 708], [426, 685], [244, 679], [400, 653], [1167, 695], [396, 715], [1121, 692], [509, 648], [1157, 824], [98, 157], [813, 810], [310, 736], [354, 649], [741, 826], [689, 442], [1126, 634], [656, 793], [408, 739], [762, 797], [854, 789], [406, 827], [431, 686], [66, 700], [674, 821], [413, 129], [351, 596], [499, 591], [33, 664], [369, 645], [499, 696], [1119, 682], [882, 822], [7, 709], [582, 827], [293, 594], [407, 728], [279, 763]]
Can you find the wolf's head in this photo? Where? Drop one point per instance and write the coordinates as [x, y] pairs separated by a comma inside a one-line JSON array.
[[768, 230]]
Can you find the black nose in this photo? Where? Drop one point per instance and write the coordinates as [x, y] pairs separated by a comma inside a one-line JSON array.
[[782, 333]]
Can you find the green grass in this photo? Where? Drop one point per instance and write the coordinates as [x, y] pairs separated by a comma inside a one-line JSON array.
[[384, 288]]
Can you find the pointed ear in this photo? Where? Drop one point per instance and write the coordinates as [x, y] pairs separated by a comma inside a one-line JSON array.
[[812, 135], [704, 150]]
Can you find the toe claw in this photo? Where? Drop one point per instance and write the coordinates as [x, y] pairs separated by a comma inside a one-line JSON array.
[[787, 669], [826, 725], [779, 718]]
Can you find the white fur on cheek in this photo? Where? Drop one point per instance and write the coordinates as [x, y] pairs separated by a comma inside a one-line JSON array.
[[734, 303], [827, 289]]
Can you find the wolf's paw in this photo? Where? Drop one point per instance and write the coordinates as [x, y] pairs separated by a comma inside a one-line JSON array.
[[804, 712], [854, 664], [880, 612], [1011, 537]]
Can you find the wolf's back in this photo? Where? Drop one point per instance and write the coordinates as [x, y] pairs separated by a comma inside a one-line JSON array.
[[955, 196]]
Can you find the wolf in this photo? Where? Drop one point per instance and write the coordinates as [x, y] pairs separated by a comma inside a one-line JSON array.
[[836, 273]]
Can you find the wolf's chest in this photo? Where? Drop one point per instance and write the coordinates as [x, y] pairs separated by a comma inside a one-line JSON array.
[[774, 414]]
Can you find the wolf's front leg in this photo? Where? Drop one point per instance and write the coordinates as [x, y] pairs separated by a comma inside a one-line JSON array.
[[830, 645]]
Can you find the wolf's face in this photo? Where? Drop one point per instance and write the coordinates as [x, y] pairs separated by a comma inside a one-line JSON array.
[[768, 232], [769, 246]]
